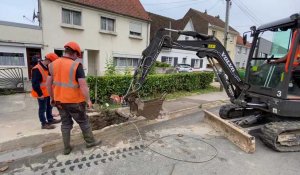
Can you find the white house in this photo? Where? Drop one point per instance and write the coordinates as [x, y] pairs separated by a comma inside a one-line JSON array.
[[18, 44], [242, 53], [105, 30], [192, 21]]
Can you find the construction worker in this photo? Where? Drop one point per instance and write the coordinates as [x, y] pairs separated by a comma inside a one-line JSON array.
[[71, 94], [297, 55], [39, 91]]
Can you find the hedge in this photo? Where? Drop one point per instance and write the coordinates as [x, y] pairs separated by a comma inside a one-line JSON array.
[[154, 85], [242, 73]]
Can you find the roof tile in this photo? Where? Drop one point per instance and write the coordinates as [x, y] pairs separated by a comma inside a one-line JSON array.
[[132, 8], [200, 21]]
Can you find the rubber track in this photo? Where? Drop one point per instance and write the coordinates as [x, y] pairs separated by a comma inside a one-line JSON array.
[[227, 111], [271, 131]]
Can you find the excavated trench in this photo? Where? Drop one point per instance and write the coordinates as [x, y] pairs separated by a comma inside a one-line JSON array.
[[105, 117]]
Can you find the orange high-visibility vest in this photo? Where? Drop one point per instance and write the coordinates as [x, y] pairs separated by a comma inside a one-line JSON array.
[[295, 61], [65, 87], [43, 83], [297, 57]]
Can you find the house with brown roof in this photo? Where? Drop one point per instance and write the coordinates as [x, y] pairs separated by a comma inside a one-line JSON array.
[[242, 52], [117, 30], [193, 20]]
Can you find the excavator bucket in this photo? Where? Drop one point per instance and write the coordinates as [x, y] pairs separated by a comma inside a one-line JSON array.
[[150, 109], [231, 131]]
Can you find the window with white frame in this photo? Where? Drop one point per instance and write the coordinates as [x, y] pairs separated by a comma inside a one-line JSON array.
[[184, 60], [239, 49], [245, 50], [230, 38], [169, 60], [108, 24], [71, 17], [125, 62], [197, 63], [201, 63], [214, 33], [135, 29], [12, 59]]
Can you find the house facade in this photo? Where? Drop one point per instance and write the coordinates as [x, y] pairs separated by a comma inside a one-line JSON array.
[[105, 30], [192, 21], [19, 43], [242, 53]]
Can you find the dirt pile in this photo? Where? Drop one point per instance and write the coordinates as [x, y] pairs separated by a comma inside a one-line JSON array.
[[105, 117]]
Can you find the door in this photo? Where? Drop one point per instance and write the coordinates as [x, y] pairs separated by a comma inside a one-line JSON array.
[[33, 56], [92, 62]]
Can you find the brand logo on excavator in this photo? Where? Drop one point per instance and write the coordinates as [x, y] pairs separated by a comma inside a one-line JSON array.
[[228, 62]]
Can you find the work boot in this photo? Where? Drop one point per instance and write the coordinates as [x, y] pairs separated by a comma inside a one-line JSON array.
[[66, 139], [89, 138], [48, 126], [54, 121]]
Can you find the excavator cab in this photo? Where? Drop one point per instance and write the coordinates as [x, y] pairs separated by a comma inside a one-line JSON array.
[[273, 70], [269, 71]]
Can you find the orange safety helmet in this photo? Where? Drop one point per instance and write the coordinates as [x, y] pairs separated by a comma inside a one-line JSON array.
[[51, 56], [74, 46]]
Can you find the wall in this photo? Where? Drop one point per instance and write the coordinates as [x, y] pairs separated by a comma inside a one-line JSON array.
[[180, 54], [241, 57], [265, 46], [15, 38], [183, 54], [20, 33], [89, 36], [231, 42], [189, 27]]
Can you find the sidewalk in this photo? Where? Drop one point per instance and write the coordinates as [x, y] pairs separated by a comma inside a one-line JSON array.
[[20, 127]]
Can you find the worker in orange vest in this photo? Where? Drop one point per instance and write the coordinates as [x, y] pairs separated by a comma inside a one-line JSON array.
[[71, 94], [39, 91], [297, 55]]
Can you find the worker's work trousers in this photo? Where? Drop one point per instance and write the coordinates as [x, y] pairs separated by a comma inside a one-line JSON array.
[[77, 111], [45, 107]]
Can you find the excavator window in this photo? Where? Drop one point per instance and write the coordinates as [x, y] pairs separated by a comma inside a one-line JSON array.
[[271, 46]]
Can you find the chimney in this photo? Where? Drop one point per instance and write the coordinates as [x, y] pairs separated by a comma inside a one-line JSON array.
[[205, 11], [218, 16]]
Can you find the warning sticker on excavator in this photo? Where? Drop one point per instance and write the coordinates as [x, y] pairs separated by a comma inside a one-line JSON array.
[[211, 46]]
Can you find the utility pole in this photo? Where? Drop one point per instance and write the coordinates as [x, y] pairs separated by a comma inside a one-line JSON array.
[[228, 3]]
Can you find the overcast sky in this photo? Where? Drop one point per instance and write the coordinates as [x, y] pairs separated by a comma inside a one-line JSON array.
[[243, 14]]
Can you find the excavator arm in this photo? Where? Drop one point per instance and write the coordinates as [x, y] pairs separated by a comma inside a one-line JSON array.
[[204, 46]]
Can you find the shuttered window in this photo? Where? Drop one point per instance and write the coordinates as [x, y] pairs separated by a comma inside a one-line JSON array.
[[173, 61], [125, 62], [135, 29], [71, 17]]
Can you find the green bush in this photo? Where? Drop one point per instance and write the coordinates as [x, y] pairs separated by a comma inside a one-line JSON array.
[[242, 73], [161, 64], [110, 67], [154, 85]]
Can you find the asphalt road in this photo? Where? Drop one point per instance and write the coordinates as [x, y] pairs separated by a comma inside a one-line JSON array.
[[152, 150]]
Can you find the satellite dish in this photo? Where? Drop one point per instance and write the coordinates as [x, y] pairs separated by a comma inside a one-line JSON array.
[[35, 15]]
